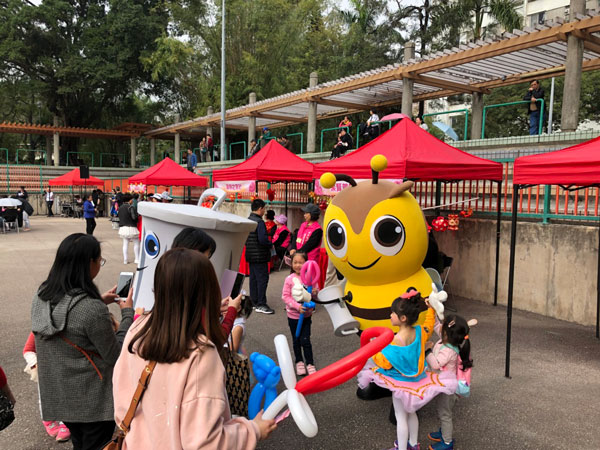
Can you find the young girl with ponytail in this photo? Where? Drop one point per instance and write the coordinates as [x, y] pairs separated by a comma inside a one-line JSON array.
[[443, 357], [400, 367]]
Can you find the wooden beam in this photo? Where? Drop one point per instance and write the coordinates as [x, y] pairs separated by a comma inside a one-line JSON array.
[[590, 42], [341, 104], [278, 117], [445, 84], [504, 46]]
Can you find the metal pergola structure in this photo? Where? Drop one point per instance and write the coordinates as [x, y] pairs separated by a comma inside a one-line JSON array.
[[517, 57]]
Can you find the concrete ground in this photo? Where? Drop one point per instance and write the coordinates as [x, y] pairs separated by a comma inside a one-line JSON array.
[[551, 401]]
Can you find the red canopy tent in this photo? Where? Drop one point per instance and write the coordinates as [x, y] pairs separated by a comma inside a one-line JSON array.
[[168, 173], [415, 154], [572, 168], [272, 163], [72, 179], [578, 165]]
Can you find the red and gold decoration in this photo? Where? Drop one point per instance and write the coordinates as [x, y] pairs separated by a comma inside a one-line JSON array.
[[467, 213], [270, 194], [453, 222], [208, 202]]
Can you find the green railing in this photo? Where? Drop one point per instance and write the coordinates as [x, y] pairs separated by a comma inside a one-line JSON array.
[[122, 156], [485, 108], [28, 150], [331, 129], [466, 111], [80, 153], [389, 122], [301, 140], [237, 143]]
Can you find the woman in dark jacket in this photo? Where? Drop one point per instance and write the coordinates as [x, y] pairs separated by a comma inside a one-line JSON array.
[[76, 343]]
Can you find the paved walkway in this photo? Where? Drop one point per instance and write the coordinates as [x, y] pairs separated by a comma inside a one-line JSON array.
[[551, 402]]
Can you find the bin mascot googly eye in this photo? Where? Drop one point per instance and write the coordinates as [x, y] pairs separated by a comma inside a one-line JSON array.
[[163, 221], [376, 236]]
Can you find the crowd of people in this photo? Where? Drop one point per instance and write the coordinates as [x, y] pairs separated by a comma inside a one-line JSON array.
[[77, 345]]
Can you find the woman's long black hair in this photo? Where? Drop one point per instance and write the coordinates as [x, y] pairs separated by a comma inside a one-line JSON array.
[[70, 272]]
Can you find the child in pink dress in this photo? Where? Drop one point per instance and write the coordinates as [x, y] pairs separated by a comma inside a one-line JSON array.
[[400, 367], [443, 358]]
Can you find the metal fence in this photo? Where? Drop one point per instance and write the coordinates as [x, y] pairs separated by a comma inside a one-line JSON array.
[[543, 203]]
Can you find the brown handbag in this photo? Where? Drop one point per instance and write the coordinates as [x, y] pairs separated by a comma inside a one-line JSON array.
[[117, 442]]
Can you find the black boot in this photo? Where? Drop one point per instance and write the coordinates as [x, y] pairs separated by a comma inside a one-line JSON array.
[[373, 392]]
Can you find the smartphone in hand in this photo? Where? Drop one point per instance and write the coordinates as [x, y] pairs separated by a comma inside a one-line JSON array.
[[124, 284]]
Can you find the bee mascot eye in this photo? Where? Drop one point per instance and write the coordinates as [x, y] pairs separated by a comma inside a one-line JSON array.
[[387, 235], [336, 238]]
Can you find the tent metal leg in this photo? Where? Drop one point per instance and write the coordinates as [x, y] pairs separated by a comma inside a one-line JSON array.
[[499, 196], [286, 199], [598, 290], [511, 276]]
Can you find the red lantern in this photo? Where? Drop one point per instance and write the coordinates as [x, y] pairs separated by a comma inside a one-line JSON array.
[[232, 196], [439, 224], [270, 194], [323, 205], [453, 222]]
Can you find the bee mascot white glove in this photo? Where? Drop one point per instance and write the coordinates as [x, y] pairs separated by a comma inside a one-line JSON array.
[[436, 300], [300, 294]]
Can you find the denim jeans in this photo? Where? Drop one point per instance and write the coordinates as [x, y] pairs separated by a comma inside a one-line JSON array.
[[534, 122]]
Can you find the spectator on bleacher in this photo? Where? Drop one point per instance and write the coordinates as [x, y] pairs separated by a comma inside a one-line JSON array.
[[192, 160], [254, 148], [345, 123], [210, 146], [343, 144], [265, 137], [371, 128], [533, 96], [204, 153], [287, 143], [419, 121]]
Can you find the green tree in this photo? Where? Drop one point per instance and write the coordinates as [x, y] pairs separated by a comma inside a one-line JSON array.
[[83, 57]]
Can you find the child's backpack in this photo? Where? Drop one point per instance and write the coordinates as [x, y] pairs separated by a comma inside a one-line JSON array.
[[464, 380]]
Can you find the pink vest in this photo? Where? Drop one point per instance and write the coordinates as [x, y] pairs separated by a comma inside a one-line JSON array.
[[303, 236], [278, 231]]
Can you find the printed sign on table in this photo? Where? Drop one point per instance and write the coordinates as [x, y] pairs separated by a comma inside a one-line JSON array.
[[236, 186]]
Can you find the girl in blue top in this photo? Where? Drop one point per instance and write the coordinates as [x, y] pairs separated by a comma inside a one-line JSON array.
[[400, 367]]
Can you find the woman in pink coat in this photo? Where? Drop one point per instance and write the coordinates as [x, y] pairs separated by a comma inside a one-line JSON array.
[[310, 234], [185, 405]]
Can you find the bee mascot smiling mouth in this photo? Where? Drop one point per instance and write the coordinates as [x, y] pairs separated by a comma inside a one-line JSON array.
[[376, 236]]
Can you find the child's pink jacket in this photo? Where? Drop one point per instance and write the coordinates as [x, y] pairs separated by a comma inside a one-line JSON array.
[[292, 307], [442, 357]]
